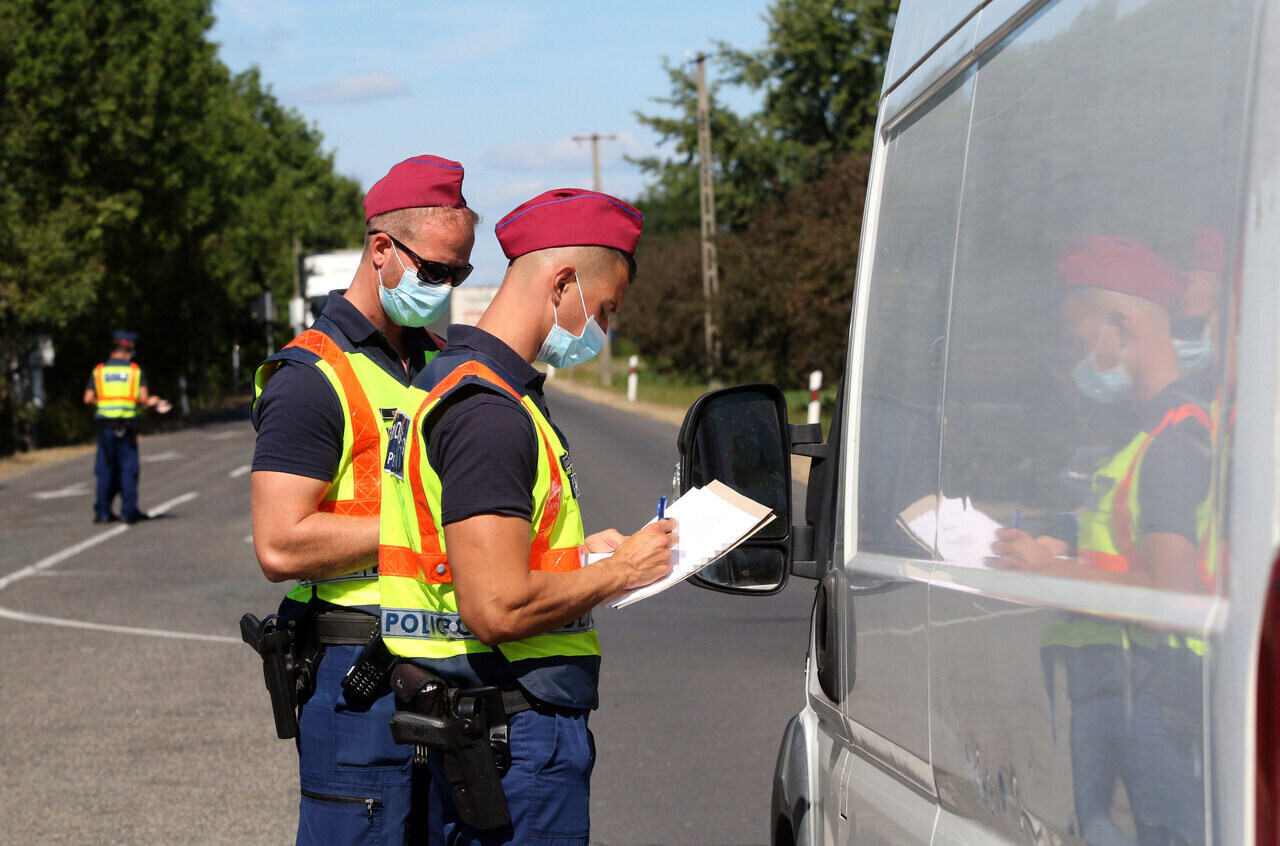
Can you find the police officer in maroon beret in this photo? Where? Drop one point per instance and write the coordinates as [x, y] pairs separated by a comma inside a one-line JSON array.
[[321, 408], [483, 547]]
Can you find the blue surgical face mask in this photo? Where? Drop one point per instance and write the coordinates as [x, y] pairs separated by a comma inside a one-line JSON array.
[[412, 302], [1194, 354], [1109, 386], [563, 349]]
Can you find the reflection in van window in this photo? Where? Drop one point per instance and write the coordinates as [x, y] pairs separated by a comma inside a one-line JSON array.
[[1084, 362]]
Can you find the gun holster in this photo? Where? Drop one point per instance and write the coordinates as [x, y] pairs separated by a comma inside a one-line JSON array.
[[288, 673], [469, 727]]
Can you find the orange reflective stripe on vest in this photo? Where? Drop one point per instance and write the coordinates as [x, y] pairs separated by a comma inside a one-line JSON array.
[[366, 461], [432, 565]]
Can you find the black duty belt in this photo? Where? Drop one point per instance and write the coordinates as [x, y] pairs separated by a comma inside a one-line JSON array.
[[344, 628], [514, 699]]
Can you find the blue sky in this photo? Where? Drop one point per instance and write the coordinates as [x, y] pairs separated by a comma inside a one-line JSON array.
[[502, 87]]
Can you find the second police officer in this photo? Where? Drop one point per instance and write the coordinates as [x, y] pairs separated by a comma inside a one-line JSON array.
[[482, 536], [321, 409]]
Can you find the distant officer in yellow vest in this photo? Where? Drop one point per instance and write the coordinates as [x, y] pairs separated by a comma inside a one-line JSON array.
[[321, 409], [118, 391], [482, 553]]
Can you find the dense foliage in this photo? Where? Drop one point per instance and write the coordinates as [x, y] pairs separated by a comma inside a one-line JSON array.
[[789, 187], [143, 186]]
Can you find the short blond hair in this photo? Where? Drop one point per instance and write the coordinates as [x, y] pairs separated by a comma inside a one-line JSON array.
[[405, 224], [589, 261]]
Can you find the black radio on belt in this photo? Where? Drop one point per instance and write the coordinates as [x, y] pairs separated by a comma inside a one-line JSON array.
[[367, 680]]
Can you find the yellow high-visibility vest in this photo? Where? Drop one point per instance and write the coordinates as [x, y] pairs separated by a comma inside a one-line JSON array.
[[1110, 540], [117, 387], [420, 616], [362, 388], [1109, 536]]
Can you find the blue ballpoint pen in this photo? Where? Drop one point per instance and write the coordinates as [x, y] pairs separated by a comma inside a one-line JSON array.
[[662, 507]]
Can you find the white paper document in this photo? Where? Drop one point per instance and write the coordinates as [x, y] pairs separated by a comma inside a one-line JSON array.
[[710, 521], [959, 532]]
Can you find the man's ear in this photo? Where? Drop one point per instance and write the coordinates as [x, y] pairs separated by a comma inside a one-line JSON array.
[[1121, 322], [562, 276], [379, 246]]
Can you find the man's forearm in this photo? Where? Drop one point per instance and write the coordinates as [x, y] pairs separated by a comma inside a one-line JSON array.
[[319, 546]]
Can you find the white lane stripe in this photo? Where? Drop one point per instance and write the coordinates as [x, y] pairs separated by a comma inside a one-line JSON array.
[[88, 543], [176, 501], [102, 627], [239, 471], [78, 489], [46, 563], [161, 456]]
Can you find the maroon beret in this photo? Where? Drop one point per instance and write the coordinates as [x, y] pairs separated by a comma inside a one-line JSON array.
[[569, 217], [1118, 264], [416, 183]]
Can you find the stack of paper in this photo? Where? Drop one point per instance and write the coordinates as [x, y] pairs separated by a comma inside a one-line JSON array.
[[959, 533], [711, 521]]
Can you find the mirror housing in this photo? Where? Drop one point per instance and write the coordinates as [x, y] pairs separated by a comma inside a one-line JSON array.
[[741, 437]]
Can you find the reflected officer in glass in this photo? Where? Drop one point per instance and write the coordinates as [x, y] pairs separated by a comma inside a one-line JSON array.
[[1146, 520], [1134, 691]]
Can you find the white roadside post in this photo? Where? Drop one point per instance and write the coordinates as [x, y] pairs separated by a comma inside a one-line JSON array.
[[815, 382], [633, 379]]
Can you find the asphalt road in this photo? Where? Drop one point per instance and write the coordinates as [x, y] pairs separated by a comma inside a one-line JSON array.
[[130, 712]]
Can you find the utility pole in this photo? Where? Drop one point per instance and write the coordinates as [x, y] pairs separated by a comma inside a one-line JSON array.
[[606, 354], [706, 193]]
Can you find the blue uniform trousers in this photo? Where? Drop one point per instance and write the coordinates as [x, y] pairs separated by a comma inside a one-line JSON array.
[[357, 784], [548, 786], [117, 470]]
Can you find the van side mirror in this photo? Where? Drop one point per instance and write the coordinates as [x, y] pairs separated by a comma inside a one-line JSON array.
[[740, 437]]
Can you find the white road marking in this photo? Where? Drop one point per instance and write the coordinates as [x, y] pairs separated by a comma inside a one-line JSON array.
[[58, 557], [63, 555], [103, 627], [162, 456], [78, 489], [88, 543], [228, 435], [239, 471]]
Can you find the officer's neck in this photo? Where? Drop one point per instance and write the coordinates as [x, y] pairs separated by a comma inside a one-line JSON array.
[[367, 302], [507, 319]]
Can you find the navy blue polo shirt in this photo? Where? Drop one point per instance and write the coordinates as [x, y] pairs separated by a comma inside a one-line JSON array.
[[1176, 467], [299, 417], [482, 444]]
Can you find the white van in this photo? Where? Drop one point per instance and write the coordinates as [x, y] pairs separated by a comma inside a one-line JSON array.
[[1045, 554]]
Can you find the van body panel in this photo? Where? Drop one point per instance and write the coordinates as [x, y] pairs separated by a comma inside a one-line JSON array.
[[891, 813], [1254, 514], [894, 403]]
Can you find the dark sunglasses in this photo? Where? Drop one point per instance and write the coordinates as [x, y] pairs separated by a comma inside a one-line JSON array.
[[431, 272]]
